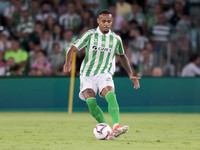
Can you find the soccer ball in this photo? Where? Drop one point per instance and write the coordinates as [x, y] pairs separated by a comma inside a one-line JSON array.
[[102, 131]]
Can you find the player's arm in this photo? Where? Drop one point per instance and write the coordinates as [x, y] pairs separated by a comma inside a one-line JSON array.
[[67, 65], [78, 45], [126, 65]]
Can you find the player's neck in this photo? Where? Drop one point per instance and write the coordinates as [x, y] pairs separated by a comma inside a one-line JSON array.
[[104, 32]]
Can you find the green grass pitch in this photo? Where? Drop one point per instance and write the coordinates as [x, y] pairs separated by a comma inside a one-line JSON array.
[[62, 131]]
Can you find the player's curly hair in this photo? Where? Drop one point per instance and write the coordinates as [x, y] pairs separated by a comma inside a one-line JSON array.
[[104, 11]]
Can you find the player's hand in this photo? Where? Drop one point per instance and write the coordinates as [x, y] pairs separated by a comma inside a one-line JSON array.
[[67, 68], [135, 80]]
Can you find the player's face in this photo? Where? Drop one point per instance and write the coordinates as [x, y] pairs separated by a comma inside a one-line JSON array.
[[105, 22]]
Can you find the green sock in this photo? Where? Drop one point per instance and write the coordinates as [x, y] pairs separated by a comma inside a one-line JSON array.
[[95, 110], [113, 107]]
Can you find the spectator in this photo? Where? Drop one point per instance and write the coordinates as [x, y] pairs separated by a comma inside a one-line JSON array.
[[123, 7], [137, 44], [70, 20], [2, 64], [162, 31], [167, 9], [20, 56], [152, 17], [93, 6], [50, 24], [184, 24], [157, 72], [85, 17], [46, 12], [91, 22], [179, 12], [56, 59], [42, 65], [36, 35], [35, 9], [137, 15], [192, 68], [68, 40], [149, 48], [10, 63], [25, 28], [46, 42], [117, 19], [144, 65], [57, 33], [25, 15], [12, 12], [5, 44], [124, 32], [134, 24], [34, 53], [58, 8]]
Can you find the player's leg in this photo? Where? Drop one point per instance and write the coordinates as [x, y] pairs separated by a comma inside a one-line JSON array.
[[94, 109], [113, 109]]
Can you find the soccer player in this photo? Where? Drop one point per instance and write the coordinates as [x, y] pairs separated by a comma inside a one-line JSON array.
[[98, 67]]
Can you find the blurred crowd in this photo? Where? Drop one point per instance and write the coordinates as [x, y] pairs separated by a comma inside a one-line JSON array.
[[160, 37]]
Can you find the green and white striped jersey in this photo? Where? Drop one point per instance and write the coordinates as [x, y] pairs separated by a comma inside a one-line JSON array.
[[100, 51]]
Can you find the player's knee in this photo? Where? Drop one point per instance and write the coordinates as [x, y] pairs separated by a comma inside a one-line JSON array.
[[91, 102]]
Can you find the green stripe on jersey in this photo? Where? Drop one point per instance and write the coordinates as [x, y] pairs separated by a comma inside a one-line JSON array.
[[91, 63], [120, 47], [106, 64], [118, 42], [96, 39], [111, 41], [108, 57], [100, 62], [84, 41], [103, 41], [86, 54]]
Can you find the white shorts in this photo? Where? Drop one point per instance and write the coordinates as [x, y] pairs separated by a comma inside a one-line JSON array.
[[97, 83]]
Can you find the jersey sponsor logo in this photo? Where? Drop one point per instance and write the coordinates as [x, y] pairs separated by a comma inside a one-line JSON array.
[[95, 48]]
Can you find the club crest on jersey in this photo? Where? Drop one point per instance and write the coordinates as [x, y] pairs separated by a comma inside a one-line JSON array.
[[95, 48], [111, 42]]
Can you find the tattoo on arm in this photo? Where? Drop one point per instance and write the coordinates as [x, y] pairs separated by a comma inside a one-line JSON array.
[[125, 63], [88, 93]]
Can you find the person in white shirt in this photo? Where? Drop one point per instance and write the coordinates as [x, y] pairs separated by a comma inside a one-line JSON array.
[[191, 69]]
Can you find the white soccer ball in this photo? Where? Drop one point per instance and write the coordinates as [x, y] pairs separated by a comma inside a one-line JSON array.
[[102, 131]]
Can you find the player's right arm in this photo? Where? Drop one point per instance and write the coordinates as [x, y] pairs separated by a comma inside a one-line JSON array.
[[67, 65], [78, 45]]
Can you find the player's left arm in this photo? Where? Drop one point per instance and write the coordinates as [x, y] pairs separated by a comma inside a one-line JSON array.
[[126, 65]]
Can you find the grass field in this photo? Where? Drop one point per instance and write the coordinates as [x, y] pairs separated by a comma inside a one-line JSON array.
[[61, 131]]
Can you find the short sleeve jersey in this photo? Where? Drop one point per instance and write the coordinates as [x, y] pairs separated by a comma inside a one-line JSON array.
[[100, 51]]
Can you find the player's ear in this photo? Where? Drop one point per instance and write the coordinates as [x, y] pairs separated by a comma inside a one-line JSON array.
[[98, 20]]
